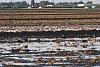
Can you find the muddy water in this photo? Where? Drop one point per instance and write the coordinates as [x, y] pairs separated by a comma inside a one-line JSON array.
[[52, 52]]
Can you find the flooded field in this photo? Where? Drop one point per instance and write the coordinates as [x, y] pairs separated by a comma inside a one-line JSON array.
[[52, 52], [50, 37]]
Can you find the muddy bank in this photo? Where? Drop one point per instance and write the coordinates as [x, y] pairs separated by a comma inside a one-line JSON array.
[[52, 34]]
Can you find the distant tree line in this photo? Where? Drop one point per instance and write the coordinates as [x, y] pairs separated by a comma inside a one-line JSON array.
[[22, 4], [47, 4]]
